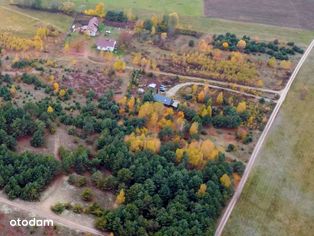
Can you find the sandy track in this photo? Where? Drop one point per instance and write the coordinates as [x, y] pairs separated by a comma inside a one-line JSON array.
[[49, 215]]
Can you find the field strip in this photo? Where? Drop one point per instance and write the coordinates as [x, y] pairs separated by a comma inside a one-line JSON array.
[[51, 216], [259, 144], [32, 17]]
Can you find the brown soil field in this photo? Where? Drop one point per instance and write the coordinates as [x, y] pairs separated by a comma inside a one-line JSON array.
[[295, 14]]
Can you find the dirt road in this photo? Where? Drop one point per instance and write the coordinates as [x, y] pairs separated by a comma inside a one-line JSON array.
[[259, 144], [56, 219], [172, 92]]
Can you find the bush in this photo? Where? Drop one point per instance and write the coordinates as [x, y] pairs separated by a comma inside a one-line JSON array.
[[117, 16], [191, 43], [87, 195], [77, 180], [58, 208], [230, 148], [273, 49], [78, 208], [248, 139]]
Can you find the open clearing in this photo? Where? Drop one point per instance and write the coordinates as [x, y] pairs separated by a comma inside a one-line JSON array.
[[15, 24], [296, 14], [279, 196], [25, 21]]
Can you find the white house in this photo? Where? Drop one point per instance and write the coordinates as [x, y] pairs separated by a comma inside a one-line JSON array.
[[92, 27], [106, 44]]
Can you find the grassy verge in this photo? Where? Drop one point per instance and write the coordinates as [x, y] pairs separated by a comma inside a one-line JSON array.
[[279, 196]]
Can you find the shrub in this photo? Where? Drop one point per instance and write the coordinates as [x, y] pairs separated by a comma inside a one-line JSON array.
[[77, 180], [191, 43], [87, 195], [58, 208], [78, 208]]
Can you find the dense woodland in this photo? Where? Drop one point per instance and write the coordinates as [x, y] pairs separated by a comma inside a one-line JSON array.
[[156, 193]]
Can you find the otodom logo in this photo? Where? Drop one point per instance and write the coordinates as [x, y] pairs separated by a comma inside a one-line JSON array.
[[31, 222]]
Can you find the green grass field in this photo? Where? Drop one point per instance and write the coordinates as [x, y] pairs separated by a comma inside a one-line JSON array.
[[191, 16], [24, 22], [279, 196], [263, 32], [15, 24], [182, 7]]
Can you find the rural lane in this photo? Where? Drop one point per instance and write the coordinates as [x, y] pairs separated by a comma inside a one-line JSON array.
[[259, 144], [172, 91], [211, 81], [51, 216]]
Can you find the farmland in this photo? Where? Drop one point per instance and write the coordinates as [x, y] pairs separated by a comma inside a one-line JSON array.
[[278, 198], [281, 13], [195, 19], [184, 7]]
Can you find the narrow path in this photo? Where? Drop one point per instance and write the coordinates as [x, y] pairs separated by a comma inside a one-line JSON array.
[[213, 81], [51, 216], [172, 92], [259, 144]]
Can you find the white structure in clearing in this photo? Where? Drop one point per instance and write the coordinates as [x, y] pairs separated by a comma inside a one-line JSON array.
[[106, 44]]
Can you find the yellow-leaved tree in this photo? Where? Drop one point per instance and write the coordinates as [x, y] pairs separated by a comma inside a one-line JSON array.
[[55, 87], [220, 98], [209, 150], [272, 62], [119, 66], [285, 64], [225, 180], [194, 128], [62, 92], [201, 96], [241, 44], [225, 45], [50, 109], [100, 9], [241, 107], [202, 190], [121, 197], [179, 154], [131, 104]]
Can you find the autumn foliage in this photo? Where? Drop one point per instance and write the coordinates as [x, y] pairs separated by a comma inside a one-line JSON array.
[[198, 153]]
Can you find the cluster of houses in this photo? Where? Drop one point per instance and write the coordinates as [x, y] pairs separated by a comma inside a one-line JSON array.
[[105, 44], [91, 29]]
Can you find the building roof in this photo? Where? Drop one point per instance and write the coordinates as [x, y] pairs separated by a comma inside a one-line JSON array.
[[104, 43], [162, 99], [93, 24], [153, 85]]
